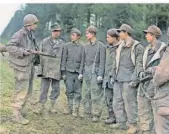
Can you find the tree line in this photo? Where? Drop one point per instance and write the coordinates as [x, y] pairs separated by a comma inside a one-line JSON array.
[[103, 16]]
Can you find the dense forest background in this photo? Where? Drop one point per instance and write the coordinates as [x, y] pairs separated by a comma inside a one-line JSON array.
[[103, 16]]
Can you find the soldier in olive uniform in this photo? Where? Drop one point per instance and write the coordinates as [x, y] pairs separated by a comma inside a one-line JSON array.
[[95, 58], [161, 81], [151, 58], [50, 68], [109, 76], [73, 58], [128, 62], [22, 62]]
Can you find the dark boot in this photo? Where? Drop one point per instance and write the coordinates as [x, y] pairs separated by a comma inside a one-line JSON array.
[[111, 119], [120, 126]]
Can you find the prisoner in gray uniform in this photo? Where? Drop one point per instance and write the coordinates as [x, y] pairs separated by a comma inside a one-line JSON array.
[[95, 57], [73, 64], [151, 58], [109, 76], [50, 68], [128, 62]]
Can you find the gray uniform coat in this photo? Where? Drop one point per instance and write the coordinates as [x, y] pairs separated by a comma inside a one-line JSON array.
[[51, 67]]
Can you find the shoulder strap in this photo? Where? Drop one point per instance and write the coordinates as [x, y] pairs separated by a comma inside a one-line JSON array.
[[133, 56], [118, 51], [157, 54], [145, 55], [94, 62]]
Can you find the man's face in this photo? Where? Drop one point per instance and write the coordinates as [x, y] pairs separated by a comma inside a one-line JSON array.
[[123, 35], [56, 33], [149, 37], [74, 37], [34, 26], [110, 40], [89, 36]]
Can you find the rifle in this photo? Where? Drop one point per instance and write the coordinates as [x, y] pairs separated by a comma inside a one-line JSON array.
[[142, 80], [40, 53], [146, 78], [3, 49]]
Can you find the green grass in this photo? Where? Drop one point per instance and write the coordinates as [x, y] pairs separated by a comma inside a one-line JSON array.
[[45, 123]]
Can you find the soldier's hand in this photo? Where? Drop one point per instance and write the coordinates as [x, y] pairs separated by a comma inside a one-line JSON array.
[[142, 75], [99, 79], [26, 53], [33, 51], [151, 70], [63, 75], [133, 84], [80, 77], [111, 81]]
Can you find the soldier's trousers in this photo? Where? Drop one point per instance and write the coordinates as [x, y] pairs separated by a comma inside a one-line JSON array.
[[161, 117], [73, 89], [55, 92], [109, 102], [23, 87], [93, 95], [145, 112], [125, 103]]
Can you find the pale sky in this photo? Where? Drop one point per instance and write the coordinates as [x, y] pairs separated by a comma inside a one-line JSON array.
[[6, 13]]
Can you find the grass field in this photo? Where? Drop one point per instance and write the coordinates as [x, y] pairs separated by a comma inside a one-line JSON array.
[[46, 123]]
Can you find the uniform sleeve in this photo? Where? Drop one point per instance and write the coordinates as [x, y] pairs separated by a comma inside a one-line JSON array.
[[162, 70], [139, 50], [64, 58], [82, 61], [14, 45], [102, 60]]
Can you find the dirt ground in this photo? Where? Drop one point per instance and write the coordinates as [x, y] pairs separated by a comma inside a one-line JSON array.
[[45, 123]]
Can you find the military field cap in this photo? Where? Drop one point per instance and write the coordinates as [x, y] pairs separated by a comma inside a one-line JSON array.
[[92, 29], [126, 28], [55, 27], [75, 30], [113, 32], [154, 30]]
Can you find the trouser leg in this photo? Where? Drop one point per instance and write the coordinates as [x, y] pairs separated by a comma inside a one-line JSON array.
[[130, 101], [145, 113], [97, 96], [55, 90], [118, 103], [45, 83], [70, 90], [77, 91], [109, 103]]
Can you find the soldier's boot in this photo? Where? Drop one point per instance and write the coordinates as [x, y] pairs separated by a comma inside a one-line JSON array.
[[39, 109], [120, 126], [111, 119], [70, 106], [95, 119], [52, 108], [18, 118], [75, 112], [132, 129]]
